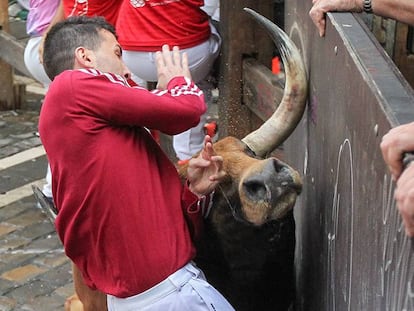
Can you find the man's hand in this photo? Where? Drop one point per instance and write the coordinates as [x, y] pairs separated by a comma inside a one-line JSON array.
[[205, 171], [321, 7], [404, 195], [395, 143], [170, 65]]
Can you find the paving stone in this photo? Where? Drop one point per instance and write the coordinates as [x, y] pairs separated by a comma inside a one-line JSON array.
[[52, 260], [13, 259], [5, 287], [12, 242], [4, 178], [8, 151], [18, 132], [45, 303], [65, 291], [22, 274], [59, 276], [29, 143], [29, 124], [29, 292], [5, 142], [24, 135], [9, 211], [6, 228], [39, 229], [24, 173], [7, 304], [28, 218], [52, 244]]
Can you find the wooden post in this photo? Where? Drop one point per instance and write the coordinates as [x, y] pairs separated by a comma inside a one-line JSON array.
[[242, 37], [403, 55], [6, 72]]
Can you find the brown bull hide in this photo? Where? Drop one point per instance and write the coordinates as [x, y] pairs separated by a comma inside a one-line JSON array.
[[247, 250]]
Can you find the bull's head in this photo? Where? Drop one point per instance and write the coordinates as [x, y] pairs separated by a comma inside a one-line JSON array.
[[257, 190]]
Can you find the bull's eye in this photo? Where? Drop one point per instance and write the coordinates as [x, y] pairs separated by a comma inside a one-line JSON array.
[[255, 190]]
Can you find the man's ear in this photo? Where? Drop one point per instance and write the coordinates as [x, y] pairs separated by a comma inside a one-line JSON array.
[[84, 58]]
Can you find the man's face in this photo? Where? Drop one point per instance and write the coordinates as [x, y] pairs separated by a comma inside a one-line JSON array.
[[108, 57]]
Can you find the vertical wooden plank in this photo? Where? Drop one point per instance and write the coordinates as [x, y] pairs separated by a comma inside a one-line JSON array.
[[403, 57], [6, 73], [241, 37]]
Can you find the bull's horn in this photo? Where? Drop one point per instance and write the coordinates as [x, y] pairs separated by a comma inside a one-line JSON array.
[[290, 110]]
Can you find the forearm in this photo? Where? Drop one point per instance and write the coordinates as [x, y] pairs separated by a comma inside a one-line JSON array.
[[401, 10], [172, 111], [58, 17]]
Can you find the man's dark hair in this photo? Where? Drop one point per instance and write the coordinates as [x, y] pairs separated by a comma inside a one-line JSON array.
[[65, 37]]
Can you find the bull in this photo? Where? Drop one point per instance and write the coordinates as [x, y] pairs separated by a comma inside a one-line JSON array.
[[247, 250]]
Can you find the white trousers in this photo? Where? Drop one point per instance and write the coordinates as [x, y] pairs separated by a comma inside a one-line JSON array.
[[31, 60], [200, 60], [184, 290], [47, 187], [35, 67]]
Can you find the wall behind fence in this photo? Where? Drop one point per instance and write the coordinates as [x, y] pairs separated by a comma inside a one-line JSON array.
[[352, 253]]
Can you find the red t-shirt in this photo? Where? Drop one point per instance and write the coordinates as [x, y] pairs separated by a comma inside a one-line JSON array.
[[147, 25], [119, 197], [106, 8]]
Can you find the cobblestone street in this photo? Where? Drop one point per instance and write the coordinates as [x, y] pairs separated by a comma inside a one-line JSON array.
[[35, 274]]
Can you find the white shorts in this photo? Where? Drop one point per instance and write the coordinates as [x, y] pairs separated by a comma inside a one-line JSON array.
[[200, 60], [184, 290]]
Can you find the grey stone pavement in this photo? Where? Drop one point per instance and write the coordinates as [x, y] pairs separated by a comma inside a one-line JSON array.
[[35, 274]]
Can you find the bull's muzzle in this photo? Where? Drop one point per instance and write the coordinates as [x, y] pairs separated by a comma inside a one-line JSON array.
[[269, 191]]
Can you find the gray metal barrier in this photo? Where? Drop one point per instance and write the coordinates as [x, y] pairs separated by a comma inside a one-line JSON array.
[[352, 252]]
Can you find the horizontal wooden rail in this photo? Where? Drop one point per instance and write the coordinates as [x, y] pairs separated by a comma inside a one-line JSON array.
[[262, 90], [12, 52]]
